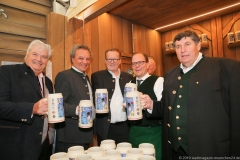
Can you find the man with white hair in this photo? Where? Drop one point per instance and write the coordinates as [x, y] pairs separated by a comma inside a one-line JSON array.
[[23, 107]]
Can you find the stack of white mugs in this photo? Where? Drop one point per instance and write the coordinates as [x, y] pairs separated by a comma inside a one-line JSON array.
[[108, 150]]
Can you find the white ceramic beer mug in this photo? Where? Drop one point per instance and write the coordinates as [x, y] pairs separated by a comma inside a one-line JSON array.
[[112, 154], [145, 157], [148, 149], [101, 100], [85, 114], [75, 151], [108, 144], [59, 156], [133, 105], [95, 152], [84, 157], [55, 108], [134, 153], [123, 147], [129, 87]]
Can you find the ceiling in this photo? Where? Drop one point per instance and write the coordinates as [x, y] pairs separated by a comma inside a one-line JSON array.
[[159, 13]]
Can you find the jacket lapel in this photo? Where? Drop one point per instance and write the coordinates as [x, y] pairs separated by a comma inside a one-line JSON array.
[[30, 76]]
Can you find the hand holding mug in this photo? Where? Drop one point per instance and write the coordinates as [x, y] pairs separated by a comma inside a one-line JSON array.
[[146, 102], [40, 107]]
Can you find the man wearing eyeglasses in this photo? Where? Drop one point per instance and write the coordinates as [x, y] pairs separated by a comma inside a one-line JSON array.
[[147, 129], [112, 125]]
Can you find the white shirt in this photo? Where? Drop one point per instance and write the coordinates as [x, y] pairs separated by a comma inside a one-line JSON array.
[[158, 87], [185, 70], [118, 113]]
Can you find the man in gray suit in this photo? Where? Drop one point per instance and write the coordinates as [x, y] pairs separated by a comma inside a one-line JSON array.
[[112, 125], [23, 107], [75, 86]]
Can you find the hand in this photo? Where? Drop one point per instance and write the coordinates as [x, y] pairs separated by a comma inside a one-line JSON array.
[[41, 107], [146, 102]]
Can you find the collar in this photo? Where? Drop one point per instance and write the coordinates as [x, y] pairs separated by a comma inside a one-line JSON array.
[[74, 68], [200, 56], [113, 75], [41, 75], [144, 77]]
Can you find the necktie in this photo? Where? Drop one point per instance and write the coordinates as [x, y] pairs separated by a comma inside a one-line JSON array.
[[41, 86], [139, 83]]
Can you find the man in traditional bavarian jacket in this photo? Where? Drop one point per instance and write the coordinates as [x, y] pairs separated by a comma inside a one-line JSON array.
[[201, 104]]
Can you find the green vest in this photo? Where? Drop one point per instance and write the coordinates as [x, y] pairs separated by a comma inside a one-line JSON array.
[[179, 134]]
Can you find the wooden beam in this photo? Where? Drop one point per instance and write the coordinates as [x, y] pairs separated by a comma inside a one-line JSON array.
[[219, 36], [197, 27], [214, 37], [10, 28], [100, 7], [230, 24], [27, 6], [42, 2]]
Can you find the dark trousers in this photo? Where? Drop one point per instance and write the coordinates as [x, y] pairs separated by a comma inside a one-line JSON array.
[[179, 155], [63, 147], [119, 132], [46, 150]]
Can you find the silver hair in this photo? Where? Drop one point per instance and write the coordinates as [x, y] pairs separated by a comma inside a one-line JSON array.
[[76, 47], [41, 45]]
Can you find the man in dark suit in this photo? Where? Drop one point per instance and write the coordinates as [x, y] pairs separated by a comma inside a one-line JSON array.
[[75, 86], [201, 104], [23, 107], [112, 125]]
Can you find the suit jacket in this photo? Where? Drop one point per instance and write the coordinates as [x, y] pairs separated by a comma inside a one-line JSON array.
[[103, 79], [73, 86], [20, 131], [213, 108]]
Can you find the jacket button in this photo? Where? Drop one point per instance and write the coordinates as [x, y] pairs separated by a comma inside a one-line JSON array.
[[108, 120]]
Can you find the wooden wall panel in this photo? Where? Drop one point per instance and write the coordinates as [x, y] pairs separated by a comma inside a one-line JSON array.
[[22, 30], [15, 43], [226, 21], [127, 37], [88, 41], [105, 37], [26, 21], [73, 35], [56, 38], [95, 45], [117, 32], [11, 57], [20, 22], [158, 60], [126, 64], [42, 2], [137, 38], [27, 6], [22, 17], [144, 40]]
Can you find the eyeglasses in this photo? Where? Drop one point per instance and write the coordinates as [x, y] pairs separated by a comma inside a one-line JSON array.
[[139, 63], [112, 60]]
